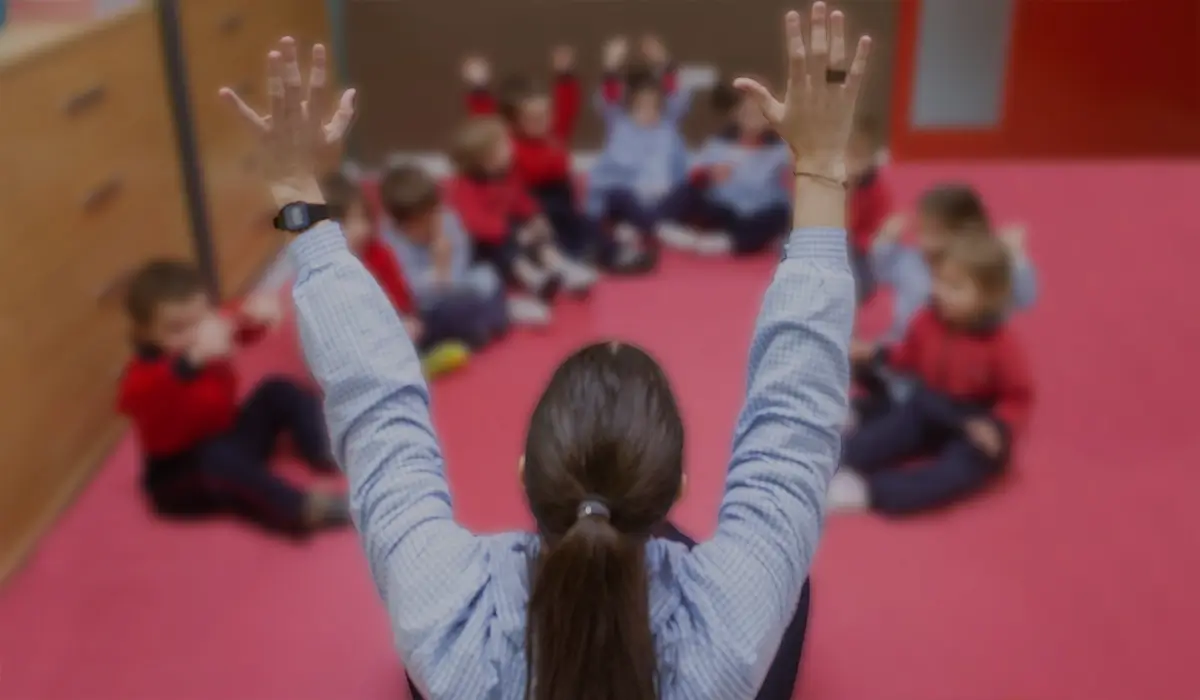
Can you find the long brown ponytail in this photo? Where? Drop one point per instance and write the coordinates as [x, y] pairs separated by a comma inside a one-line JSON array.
[[603, 465]]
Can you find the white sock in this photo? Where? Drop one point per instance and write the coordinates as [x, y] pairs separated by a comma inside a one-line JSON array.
[[528, 311], [676, 236], [714, 244], [848, 491]]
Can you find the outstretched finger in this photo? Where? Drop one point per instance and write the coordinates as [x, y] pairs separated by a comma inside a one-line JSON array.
[[339, 124], [837, 41], [293, 89], [771, 108], [794, 36], [253, 119], [318, 85], [275, 86], [818, 53], [858, 69]]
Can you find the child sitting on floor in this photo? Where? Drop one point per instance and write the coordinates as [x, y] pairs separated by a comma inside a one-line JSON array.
[[944, 213], [740, 183], [462, 297], [644, 156], [439, 339], [505, 223], [973, 398], [870, 201], [206, 453]]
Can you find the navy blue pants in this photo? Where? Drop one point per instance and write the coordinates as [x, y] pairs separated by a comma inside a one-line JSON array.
[[575, 232], [864, 276], [231, 473], [690, 204], [466, 316], [927, 428], [781, 678]]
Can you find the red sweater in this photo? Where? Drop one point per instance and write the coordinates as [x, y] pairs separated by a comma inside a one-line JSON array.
[[489, 207], [985, 366], [543, 160], [870, 203], [381, 262], [174, 405]]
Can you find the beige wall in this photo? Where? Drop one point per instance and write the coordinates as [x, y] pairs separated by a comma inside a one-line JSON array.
[[404, 56]]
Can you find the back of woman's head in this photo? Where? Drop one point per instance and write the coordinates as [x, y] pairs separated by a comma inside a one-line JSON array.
[[603, 465]]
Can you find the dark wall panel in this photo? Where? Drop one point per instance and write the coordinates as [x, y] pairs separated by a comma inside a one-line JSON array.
[[404, 56]]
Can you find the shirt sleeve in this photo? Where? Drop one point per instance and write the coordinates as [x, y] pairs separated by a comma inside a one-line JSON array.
[[429, 570], [747, 579]]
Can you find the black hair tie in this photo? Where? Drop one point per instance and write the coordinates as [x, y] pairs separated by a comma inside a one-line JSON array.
[[592, 507]]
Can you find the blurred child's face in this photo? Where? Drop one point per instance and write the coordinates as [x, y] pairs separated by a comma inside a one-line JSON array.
[[173, 327], [533, 116], [423, 229], [498, 158], [645, 107], [932, 236], [356, 226], [958, 298], [750, 120]]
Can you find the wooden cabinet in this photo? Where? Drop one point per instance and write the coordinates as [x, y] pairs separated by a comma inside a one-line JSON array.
[[225, 43], [89, 189]]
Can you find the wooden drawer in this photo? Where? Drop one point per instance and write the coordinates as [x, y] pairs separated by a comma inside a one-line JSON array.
[[82, 105], [95, 192]]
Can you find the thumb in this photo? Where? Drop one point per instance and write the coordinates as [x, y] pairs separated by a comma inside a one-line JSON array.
[[771, 108]]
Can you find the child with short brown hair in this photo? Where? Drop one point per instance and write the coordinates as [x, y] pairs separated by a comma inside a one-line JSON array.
[[504, 221], [973, 397], [943, 212], [204, 451]]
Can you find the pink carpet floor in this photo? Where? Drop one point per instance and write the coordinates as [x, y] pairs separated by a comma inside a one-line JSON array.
[[1075, 579]]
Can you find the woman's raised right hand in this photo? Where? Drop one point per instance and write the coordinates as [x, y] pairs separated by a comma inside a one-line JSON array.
[[816, 115]]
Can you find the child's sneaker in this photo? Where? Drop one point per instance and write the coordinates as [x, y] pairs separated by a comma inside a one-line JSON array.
[[444, 358], [632, 261], [528, 311], [542, 283], [676, 236], [848, 491], [577, 278], [714, 244]]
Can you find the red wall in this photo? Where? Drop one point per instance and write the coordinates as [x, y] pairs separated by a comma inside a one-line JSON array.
[[1086, 78]]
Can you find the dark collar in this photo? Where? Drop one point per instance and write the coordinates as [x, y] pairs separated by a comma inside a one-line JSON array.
[[733, 133], [147, 351]]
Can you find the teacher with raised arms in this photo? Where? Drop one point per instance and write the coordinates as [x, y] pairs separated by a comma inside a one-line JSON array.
[[592, 606]]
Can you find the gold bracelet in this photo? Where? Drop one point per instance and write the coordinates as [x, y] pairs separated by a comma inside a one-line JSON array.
[[823, 178]]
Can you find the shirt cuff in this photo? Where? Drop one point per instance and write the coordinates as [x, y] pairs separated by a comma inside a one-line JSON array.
[[817, 244], [317, 245]]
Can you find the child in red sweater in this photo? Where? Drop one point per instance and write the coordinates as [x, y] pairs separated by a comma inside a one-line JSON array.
[[541, 126], [206, 453], [504, 221], [974, 398]]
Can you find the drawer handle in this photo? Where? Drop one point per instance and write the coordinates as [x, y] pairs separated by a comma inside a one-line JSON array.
[[230, 25], [102, 194], [84, 100]]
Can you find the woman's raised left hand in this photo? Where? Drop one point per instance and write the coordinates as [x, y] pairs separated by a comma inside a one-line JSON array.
[[303, 131]]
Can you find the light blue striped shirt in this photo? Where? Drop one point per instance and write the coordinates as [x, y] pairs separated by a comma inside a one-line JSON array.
[[457, 600]]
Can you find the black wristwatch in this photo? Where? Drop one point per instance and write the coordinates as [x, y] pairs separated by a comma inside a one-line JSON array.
[[298, 217]]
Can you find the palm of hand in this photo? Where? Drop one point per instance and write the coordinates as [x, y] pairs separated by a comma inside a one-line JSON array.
[[301, 134]]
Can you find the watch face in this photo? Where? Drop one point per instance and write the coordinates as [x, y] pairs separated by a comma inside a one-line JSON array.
[[295, 217]]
